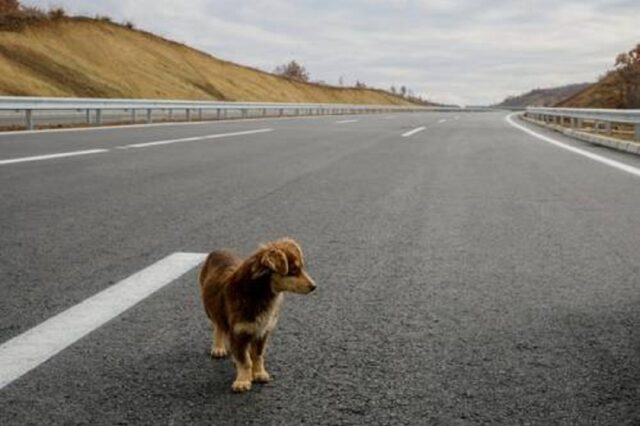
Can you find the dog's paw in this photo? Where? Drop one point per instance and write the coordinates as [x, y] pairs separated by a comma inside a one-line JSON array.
[[218, 352], [241, 386], [261, 377]]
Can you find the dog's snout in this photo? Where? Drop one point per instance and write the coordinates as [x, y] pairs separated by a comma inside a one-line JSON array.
[[312, 287]]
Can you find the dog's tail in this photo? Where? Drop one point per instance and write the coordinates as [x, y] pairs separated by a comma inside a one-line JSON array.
[[217, 266]]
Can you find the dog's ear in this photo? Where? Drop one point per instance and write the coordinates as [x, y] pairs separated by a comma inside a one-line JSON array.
[[275, 259]]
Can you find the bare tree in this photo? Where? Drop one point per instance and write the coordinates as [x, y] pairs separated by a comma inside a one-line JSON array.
[[341, 81], [403, 91], [393, 89], [9, 6], [628, 70], [360, 84], [292, 70]]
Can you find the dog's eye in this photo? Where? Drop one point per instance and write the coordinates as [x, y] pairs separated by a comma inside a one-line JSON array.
[[293, 272]]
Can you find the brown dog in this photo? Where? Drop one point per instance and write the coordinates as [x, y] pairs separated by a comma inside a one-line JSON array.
[[242, 299]]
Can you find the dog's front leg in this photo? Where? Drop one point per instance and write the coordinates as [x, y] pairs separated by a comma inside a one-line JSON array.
[[240, 350], [258, 348], [218, 344]]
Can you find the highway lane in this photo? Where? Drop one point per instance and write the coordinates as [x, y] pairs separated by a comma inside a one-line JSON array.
[[468, 273]]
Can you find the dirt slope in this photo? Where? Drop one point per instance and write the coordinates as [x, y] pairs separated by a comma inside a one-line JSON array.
[[90, 58]]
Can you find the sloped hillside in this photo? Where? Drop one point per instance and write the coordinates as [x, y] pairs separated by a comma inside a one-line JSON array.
[[94, 58], [544, 97], [606, 93]]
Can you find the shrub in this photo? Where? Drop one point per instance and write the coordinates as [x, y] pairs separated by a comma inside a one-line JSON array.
[[292, 70], [57, 13], [104, 18], [129, 25]]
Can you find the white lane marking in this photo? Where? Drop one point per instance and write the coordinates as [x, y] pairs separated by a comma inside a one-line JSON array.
[[346, 121], [413, 132], [457, 117], [33, 347], [618, 165], [50, 156], [169, 123], [195, 138], [442, 120]]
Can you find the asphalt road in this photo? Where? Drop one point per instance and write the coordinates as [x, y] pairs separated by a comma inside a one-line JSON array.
[[469, 273]]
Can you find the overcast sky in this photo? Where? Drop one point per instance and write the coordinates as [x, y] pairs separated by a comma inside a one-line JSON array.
[[463, 51]]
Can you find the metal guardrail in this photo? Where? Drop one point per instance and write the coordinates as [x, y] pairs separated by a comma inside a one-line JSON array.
[[575, 117], [94, 107]]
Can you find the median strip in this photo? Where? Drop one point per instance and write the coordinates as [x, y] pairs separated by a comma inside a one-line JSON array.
[[413, 132], [51, 156], [193, 139], [35, 346]]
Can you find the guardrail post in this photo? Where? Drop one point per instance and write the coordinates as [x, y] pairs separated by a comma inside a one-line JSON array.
[[244, 113], [188, 114], [607, 127], [133, 115], [264, 112], [29, 119], [170, 114], [200, 114], [281, 113], [637, 132], [218, 114], [98, 117], [88, 116]]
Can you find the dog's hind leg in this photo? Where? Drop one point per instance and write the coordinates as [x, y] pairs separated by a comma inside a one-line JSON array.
[[258, 348], [218, 344]]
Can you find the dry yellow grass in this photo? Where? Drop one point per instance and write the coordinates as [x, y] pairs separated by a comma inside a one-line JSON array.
[[88, 58]]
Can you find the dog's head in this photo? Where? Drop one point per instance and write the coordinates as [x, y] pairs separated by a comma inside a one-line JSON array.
[[284, 260]]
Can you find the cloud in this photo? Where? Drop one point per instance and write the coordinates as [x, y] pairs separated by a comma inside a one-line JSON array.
[[470, 51]]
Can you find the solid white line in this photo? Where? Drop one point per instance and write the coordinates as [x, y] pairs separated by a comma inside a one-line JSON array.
[[442, 120], [30, 349], [413, 132], [346, 121], [195, 138], [50, 156], [169, 123], [604, 160]]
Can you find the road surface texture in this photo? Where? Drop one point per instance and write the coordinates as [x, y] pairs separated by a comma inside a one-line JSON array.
[[468, 272]]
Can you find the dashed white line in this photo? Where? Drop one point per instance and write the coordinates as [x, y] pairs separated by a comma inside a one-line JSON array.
[[33, 347], [604, 160], [52, 156], [195, 138], [413, 132], [442, 120], [346, 121]]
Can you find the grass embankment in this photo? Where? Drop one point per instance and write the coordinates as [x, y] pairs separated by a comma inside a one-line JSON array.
[[91, 58], [606, 93]]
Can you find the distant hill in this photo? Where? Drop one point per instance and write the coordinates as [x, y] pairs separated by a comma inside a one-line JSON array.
[[544, 97], [96, 58]]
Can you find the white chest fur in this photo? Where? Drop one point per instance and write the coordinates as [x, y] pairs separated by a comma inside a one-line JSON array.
[[264, 323]]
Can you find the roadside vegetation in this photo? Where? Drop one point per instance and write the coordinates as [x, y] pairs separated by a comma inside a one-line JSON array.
[[618, 88], [49, 53]]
